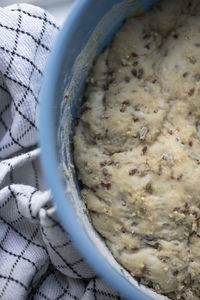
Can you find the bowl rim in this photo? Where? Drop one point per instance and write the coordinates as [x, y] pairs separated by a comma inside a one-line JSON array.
[[49, 164]]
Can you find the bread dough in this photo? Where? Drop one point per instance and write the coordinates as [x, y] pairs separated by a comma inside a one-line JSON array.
[[137, 148]]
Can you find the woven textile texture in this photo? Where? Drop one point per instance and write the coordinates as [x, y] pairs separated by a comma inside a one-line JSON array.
[[37, 258]]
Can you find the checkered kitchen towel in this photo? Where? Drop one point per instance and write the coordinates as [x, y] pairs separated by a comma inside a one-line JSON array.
[[37, 258]]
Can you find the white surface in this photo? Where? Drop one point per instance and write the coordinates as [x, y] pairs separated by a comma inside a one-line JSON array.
[[60, 9]]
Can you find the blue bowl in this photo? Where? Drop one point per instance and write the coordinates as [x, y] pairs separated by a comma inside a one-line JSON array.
[[85, 33]]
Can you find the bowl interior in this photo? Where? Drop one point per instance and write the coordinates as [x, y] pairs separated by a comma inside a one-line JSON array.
[[86, 32]]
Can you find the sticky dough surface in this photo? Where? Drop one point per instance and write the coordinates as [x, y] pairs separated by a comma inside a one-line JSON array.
[[137, 148]]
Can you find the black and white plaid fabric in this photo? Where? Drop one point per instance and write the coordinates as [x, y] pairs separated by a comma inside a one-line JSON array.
[[37, 258]]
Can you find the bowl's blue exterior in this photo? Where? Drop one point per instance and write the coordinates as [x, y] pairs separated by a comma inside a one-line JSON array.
[[71, 40]]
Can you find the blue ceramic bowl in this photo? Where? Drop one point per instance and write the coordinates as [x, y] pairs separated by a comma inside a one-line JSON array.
[[85, 33]]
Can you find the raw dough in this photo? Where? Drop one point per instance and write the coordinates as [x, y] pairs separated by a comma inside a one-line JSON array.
[[137, 148]]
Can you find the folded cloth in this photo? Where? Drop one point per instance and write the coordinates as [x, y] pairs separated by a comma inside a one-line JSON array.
[[37, 258]]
